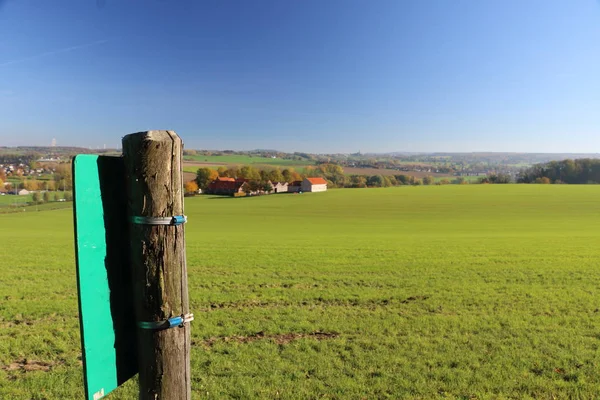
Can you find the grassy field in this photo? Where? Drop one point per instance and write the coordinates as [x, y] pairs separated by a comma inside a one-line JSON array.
[[459, 292], [245, 160]]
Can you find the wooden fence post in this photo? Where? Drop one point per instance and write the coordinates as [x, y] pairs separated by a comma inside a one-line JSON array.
[[153, 165]]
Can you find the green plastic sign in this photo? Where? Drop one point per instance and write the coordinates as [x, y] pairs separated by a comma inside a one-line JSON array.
[[106, 314]]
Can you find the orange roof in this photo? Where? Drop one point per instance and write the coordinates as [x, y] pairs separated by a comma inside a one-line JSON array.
[[317, 181], [225, 179]]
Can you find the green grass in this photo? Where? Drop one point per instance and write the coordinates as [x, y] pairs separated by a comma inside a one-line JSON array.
[[12, 199], [248, 160], [472, 291]]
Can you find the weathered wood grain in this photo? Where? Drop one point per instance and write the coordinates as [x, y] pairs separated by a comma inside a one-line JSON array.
[[153, 164]]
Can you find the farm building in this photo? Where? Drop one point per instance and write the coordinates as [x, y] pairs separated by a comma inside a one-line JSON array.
[[313, 185], [295, 186], [223, 185], [279, 187]]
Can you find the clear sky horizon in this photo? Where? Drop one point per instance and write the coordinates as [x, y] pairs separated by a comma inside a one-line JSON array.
[[320, 76]]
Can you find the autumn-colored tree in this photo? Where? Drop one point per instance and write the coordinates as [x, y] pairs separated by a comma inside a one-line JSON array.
[[331, 169], [31, 184], [204, 176], [444, 181], [9, 187], [191, 187], [50, 185], [2, 174], [63, 176], [544, 180], [1, 184]]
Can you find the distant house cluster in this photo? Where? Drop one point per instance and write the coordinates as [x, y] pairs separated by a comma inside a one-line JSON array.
[[237, 186]]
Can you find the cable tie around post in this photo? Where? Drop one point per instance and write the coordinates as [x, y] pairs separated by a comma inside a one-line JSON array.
[[174, 221], [173, 322]]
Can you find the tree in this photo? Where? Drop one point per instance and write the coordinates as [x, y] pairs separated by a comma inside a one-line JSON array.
[[445, 181], [204, 176], [37, 198], [289, 175], [46, 196], [56, 196], [331, 169], [191, 187], [1, 184], [63, 176], [68, 196], [249, 172], [222, 171], [31, 185], [275, 175], [233, 172], [417, 182], [402, 179], [50, 185], [267, 187], [544, 180], [428, 180], [357, 181], [375, 181]]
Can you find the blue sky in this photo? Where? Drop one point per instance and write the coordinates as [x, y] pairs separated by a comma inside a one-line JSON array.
[[304, 75]]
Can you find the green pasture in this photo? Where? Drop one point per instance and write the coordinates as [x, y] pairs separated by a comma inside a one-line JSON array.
[[13, 199], [248, 160], [450, 292]]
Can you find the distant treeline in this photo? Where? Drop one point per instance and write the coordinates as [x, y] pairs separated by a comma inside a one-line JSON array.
[[334, 174], [586, 170]]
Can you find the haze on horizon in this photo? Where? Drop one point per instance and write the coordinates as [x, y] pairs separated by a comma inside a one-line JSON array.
[[321, 77]]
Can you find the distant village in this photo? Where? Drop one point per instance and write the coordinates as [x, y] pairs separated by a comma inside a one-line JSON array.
[[240, 187]]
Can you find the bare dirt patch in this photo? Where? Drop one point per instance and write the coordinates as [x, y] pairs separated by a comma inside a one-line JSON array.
[[188, 176], [26, 365], [283, 338], [414, 298]]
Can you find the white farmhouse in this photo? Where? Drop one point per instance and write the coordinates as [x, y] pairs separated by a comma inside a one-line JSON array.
[[314, 185]]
